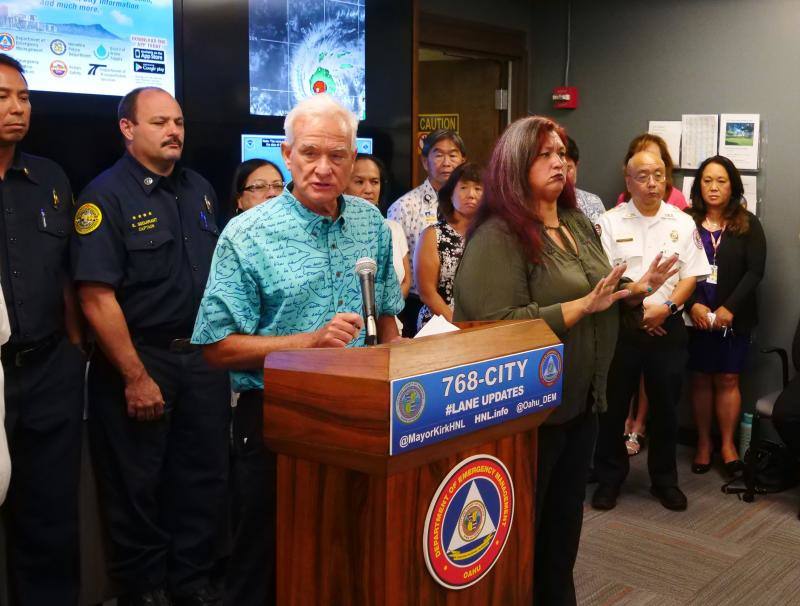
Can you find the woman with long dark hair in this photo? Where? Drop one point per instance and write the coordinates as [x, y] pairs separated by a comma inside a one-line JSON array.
[[723, 307], [440, 246], [532, 254]]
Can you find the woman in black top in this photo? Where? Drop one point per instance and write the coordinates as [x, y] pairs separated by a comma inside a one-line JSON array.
[[723, 308], [441, 245]]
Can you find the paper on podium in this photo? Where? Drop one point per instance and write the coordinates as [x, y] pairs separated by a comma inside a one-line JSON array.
[[437, 325]]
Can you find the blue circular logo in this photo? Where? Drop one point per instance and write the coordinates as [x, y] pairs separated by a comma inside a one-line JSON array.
[[410, 402], [550, 368]]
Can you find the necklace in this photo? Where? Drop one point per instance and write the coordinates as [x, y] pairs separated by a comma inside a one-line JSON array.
[[712, 224]]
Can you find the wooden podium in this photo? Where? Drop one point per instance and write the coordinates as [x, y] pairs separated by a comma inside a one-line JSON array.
[[350, 516]]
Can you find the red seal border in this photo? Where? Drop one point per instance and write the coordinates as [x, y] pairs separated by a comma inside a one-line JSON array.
[[442, 570], [5, 48], [547, 354]]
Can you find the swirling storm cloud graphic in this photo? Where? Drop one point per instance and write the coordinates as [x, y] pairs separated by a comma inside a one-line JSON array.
[[303, 47]]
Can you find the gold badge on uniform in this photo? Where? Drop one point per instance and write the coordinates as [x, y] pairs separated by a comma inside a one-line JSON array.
[[673, 235], [209, 206], [87, 218], [56, 201]]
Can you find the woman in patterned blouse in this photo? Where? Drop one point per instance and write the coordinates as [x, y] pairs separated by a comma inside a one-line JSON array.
[[440, 245]]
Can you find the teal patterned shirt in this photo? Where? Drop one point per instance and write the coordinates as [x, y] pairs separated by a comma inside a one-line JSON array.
[[280, 269]]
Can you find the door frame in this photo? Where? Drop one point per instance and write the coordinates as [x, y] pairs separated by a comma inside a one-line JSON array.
[[476, 39]]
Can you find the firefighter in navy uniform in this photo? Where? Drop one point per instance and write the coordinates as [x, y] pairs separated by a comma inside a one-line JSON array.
[[42, 364], [158, 414]]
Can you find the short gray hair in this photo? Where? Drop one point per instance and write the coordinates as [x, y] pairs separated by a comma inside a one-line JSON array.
[[318, 106]]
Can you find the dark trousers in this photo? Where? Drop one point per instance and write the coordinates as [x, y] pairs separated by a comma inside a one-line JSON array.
[[162, 483], [786, 416], [44, 406], [564, 454], [410, 314], [662, 361], [250, 579]]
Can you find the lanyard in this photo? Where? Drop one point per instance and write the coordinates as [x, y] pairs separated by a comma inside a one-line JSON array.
[[715, 242]]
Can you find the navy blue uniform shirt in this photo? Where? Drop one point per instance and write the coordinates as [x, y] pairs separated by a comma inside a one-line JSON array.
[[36, 211], [151, 238]]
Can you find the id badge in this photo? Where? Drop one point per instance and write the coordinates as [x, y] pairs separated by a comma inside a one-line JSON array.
[[712, 277]]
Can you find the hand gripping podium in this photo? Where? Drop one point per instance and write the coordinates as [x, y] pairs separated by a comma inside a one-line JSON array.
[[406, 472]]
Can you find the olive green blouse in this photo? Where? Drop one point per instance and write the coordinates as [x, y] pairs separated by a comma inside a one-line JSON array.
[[495, 281]]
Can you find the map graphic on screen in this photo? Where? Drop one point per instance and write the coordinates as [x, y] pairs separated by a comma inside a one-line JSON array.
[[303, 47], [268, 147], [90, 46]]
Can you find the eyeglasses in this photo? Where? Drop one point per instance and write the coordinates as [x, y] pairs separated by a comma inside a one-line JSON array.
[[645, 177], [455, 157], [259, 186]]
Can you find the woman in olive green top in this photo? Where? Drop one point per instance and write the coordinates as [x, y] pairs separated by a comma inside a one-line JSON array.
[[532, 254]]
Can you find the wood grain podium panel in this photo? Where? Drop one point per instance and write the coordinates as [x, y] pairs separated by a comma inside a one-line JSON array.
[[351, 518], [335, 548]]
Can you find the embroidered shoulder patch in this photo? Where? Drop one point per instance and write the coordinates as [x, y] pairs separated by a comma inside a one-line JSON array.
[[87, 218]]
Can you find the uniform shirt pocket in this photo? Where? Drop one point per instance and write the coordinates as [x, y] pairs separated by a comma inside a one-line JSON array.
[[627, 248], [149, 256]]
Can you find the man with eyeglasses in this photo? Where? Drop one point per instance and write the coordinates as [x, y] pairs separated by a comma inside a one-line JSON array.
[[442, 151], [652, 339]]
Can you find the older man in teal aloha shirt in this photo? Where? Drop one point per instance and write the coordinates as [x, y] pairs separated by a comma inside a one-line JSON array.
[[283, 277], [281, 269]]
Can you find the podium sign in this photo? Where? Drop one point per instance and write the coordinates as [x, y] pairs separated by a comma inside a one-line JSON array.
[[459, 414], [435, 406]]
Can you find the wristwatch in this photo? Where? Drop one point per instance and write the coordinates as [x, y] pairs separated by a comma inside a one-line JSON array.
[[673, 309]]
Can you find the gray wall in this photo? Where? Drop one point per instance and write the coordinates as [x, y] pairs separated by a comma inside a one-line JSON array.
[[640, 61], [637, 61]]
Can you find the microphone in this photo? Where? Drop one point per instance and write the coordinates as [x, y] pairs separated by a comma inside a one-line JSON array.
[[365, 270]]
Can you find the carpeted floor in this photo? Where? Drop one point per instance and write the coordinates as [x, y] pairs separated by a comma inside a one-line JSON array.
[[720, 551]]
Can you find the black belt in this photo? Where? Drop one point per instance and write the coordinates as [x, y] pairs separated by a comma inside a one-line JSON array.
[[173, 343], [23, 354]]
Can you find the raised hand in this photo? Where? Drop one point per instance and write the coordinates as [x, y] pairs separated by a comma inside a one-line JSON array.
[[605, 293], [660, 271]]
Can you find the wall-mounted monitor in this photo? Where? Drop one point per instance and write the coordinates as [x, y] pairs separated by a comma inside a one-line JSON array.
[[91, 46], [268, 147], [300, 48]]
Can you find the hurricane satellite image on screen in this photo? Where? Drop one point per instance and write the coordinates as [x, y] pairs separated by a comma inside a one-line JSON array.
[[300, 48]]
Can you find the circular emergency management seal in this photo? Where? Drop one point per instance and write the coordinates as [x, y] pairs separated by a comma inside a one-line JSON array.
[[410, 402], [468, 522], [7, 42], [87, 218], [550, 368]]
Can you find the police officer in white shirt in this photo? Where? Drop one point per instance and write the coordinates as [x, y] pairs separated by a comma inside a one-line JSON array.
[[652, 339], [442, 151]]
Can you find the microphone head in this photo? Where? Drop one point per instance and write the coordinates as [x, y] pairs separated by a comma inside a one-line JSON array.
[[365, 265]]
